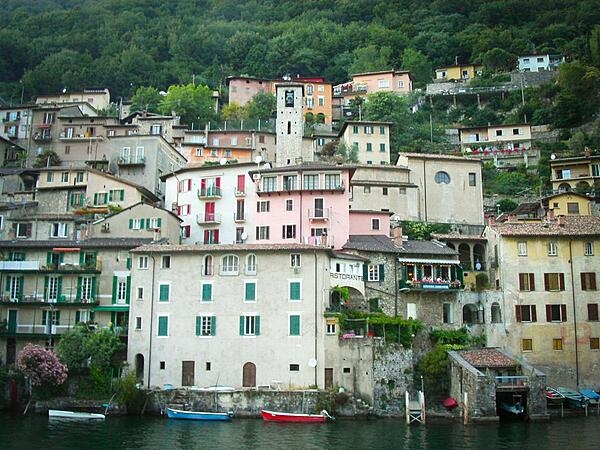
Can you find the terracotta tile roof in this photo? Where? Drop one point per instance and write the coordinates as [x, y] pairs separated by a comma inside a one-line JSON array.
[[371, 243], [562, 226], [487, 358]]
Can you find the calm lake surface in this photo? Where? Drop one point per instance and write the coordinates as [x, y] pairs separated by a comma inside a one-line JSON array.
[[39, 432]]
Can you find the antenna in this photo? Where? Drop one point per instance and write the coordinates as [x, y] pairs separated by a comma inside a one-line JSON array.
[[552, 156]]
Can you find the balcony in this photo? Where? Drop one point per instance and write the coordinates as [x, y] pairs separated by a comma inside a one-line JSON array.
[[431, 285], [42, 137], [209, 192], [240, 192], [239, 217], [133, 161], [92, 267], [78, 137], [316, 214], [37, 299], [511, 383], [208, 219]]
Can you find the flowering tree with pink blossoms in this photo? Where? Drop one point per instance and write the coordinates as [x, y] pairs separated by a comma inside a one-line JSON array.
[[41, 366]]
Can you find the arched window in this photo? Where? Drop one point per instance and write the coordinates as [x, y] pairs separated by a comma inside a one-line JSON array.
[[207, 267], [442, 177], [496, 315], [251, 264], [229, 265]]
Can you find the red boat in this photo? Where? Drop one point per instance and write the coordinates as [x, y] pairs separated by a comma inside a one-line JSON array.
[[272, 416]]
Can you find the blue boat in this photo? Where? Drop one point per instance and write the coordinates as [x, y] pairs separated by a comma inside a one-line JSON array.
[[514, 408], [573, 398], [198, 415]]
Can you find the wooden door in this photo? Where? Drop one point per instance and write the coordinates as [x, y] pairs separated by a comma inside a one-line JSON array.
[[328, 378], [187, 373], [249, 375], [12, 320]]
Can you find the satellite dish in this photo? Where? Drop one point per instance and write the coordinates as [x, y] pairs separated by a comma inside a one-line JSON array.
[[267, 165], [395, 218], [258, 159], [552, 156], [312, 362], [244, 236], [222, 161]]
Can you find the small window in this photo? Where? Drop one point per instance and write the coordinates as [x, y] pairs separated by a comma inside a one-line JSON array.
[[527, 282], [552, 248], [589, 249], [295, 260], [346, 370], [162, 365], [166, 262], [143, 262], [384, 191], [229, 265], [208, 366], [373, 272], [554, 281], [527, 345], [295, 290], [573, 208], [294, 325], [526, 313], [262, 233], [522, 248], [588, 281], [442, 177], [447, 313], [557, 344], [294, 367], [367, 189], [251, 264], [556, 313], [164, 292], [140, 293], [138, 323], [594, 343], [206, 292], [375, 224], [592, 312], [289, 205], [515, 131], [472, 179], [163, 328], [498, 132], [330, 328]]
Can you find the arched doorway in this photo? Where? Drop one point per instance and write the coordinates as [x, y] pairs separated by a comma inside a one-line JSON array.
[[139, 367], [464, 254], [470, 314], [249, 375], [496, 313], [479, 256]]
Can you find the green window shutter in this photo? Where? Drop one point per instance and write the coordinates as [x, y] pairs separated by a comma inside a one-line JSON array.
[[121, 195], [250, 291], [163, 295], [113, 317], [365, 272], [163, 325], [257, 325], [241, 325], [81, 258], [46, 282], [198, 325], [110, 195], [381, 272], [59, 290], [61, 258], [130, 224], [79, 282], [7, 286], [294, 325], [57, 317], [128, 291], [158, 222], [294, 290], [148, 223], [207, 292], [96, 196], [44, 317], [142, 224], [213, 326], [21, 285], [114, 289], [128, 263], [77, 317], [49, 258], [94, 288]]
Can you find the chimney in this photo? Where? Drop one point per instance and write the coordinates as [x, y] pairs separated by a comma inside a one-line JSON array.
[[550, 214], [559, 221], [397, 236]]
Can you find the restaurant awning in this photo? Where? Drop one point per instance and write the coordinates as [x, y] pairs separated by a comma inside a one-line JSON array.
[[428, 261], [111, 308]]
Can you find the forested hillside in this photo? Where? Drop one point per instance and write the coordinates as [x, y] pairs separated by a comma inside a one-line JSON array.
[[125, 44]]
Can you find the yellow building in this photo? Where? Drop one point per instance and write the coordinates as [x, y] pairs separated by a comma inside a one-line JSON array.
[[458, 72], [546, 271], [580, 173]]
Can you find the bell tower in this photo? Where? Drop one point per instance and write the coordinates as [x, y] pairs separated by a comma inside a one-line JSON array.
[[290, 123]]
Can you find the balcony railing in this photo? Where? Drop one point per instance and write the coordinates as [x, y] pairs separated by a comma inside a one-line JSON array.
[[134, 161], [318, 214], [40, 300], [206, 218], [240, 192], [239, 217], [511, 382], [443, 285], [209, 192]]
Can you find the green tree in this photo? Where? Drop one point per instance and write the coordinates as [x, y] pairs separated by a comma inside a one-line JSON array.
[[371, 59], [72, 349], [262, 106], [233, 111], [419, 65], [146, 98], [499, 60], [193, 103]]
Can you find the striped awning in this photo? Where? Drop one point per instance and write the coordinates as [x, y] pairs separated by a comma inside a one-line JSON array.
[[111, 308]]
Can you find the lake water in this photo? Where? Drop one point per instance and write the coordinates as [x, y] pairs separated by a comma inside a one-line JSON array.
[[39, 432]]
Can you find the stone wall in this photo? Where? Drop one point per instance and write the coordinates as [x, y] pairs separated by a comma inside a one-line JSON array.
[[392, 377]]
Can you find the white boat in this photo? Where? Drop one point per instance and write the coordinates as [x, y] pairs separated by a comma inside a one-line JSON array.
[[61, 414]]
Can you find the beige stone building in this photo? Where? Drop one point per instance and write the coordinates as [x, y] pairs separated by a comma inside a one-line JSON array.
[[579, 173], [369, 139]]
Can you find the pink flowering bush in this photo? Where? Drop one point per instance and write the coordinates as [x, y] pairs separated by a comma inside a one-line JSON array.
[[41, 366]]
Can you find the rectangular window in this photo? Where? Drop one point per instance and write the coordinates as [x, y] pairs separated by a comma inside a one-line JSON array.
[[58, 230], [295, 260], [526, 282], [373, 272], [573, 208], [592, 312], [263, 206], [64, 177], [294, 325], [382, 148], [311, 182], [384, 191], [100, 198], [166, 262], [554, 281], [383, 83], [557, 344], [164, 292], [447, 313], [289, 205], [249, 325], [294, 367], [155, 129], [556, 313], [205, 325], [588, 281], [498, 132], [140, 293], [295, 290], [594, 343], [207, 292], [269, 184], [525, 313], [552, 248], [163, 325], [333, 181], [369, 147], [143, 262], [262, 233], [368, 129], [522, 248], [330, 327], [138, 323], [588, 249], [374, 224], [250, 291], [527, 345], [288, 232], [121, 294], [472, 179]]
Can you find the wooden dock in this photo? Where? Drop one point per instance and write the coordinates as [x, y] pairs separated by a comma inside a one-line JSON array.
[[415, 409]]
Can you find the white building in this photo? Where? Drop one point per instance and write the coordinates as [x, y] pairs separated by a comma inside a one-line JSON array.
[[539, 63]]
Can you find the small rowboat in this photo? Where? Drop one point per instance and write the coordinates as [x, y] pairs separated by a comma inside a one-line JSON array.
[[60, 414], [272, 416], [198, 415], [450, 403], [573, 398], [553, 397], [513, 408]]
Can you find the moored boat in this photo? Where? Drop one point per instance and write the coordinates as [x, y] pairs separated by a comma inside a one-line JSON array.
[[553, 397], [590, 394], [61, 414], [573, 398], [198, 415], [273, 416], [513, 408]]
